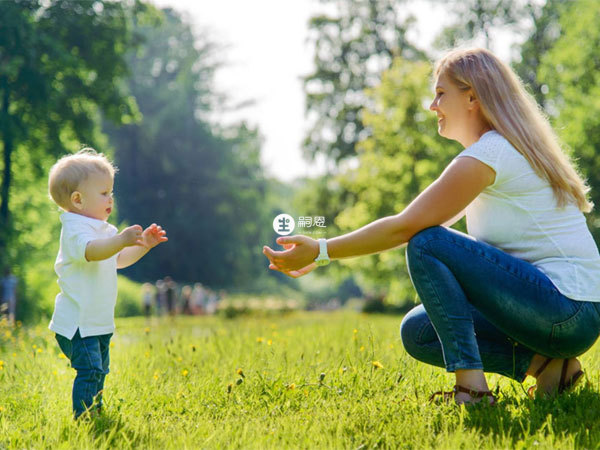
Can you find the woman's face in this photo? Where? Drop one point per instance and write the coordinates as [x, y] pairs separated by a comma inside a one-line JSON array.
[[454, 109]]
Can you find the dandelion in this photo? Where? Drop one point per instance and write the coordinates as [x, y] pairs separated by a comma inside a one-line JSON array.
[[184, 372], [355, 331], [147, 330], [291, 386], [1, 409], [34, 346], [377, 365], [269, 342], [155, 376], [39, 350], [112, 344], [62, 356], [362, 348], [306, 392], [391, 346], [7, 333], [54, 372], [240, 372], [147, 354], [260, 340], [14, 354], [179, 358]]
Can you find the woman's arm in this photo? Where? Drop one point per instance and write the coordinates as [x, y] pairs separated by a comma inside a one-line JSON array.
[[460, 183]]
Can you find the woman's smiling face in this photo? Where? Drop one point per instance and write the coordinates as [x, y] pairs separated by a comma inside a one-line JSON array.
[[452, 107]]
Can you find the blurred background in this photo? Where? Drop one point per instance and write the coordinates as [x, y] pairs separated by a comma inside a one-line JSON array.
[[222, 115]]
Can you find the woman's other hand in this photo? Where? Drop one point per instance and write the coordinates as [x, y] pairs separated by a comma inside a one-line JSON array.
[[297, 258]]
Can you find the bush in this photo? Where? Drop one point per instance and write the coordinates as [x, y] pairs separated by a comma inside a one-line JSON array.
[[129, 298]]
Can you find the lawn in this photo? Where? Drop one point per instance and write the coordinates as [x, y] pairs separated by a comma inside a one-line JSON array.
[[301, 380]]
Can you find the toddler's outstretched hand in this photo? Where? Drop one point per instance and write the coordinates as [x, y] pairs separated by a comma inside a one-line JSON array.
[[132, 236], [153, 235]]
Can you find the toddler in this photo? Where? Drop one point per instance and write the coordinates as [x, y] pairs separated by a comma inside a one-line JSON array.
[[91, 250]]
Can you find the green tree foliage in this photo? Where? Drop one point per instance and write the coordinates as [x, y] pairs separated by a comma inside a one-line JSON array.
[[571, 72], [479, 19], [206, 189], [546, 30], [352, 48], [60, 61], [401, 158]]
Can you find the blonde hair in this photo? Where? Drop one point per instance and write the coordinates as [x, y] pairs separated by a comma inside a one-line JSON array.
[[70, 171], [514, 113]]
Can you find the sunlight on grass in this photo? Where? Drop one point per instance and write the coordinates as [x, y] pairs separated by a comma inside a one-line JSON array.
[[303, 380]]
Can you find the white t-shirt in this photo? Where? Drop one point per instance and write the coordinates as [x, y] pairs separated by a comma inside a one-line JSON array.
[[88, 288], [519, 215]]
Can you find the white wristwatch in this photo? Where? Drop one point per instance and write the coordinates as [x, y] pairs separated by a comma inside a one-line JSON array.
[[323, 258]]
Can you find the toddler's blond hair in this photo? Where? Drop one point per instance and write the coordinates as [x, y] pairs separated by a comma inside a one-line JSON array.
[[71, 170]]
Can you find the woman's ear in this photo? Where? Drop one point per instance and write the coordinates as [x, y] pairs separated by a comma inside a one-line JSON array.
[[472, 101], [76, 200]]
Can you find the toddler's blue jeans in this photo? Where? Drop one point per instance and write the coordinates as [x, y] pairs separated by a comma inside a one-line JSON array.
[[484, 309], [89, 356]]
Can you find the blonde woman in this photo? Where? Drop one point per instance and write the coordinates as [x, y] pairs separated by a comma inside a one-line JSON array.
[[520, 294]]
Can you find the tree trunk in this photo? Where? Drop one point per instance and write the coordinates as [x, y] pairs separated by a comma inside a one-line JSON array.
[[7, 149]]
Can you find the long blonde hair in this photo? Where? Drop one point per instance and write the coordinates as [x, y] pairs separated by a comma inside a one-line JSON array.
[[513, 112]]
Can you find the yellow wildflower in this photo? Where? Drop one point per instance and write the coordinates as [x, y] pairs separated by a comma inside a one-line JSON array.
[[269, 342], [62, 356], [355, 331], [377, 365], [39, 350], [260, 339], [291, 386], [184, 372], [362, 348], [112, 344], [240, 372], [147, 330]]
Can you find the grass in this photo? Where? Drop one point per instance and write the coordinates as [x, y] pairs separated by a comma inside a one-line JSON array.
[[310, 380]]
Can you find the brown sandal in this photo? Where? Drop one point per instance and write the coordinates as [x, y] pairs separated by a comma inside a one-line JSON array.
[[447, 396], [563, 384]]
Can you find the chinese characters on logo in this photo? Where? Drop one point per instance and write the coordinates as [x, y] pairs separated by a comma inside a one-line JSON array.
[[308, 222], [284, 224]]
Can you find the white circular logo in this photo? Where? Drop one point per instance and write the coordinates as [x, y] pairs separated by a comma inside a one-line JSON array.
[[284, 224]]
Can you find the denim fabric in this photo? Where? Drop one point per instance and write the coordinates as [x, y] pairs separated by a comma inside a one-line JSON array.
[[484, 309], [89, 356]]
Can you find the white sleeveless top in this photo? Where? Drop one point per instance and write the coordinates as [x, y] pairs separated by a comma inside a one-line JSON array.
[[519, 215]]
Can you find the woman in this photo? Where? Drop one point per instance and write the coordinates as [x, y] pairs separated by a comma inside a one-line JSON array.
[[519, 295]]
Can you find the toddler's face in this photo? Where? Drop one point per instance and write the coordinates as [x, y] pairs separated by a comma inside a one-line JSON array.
[[96, 196]]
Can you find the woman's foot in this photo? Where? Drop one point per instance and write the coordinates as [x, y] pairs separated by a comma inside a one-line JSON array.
[[554, 376]]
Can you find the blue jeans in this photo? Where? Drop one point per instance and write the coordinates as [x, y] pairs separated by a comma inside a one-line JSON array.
[[89, 356], [484, 309]]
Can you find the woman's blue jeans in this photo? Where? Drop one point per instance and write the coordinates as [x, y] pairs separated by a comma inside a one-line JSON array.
[[484, 309], [89, 356]]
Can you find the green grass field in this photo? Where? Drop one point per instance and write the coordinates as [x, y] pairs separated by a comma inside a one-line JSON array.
[[310, 380]]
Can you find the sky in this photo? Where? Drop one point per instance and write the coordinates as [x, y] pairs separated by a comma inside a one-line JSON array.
[[266, 54]]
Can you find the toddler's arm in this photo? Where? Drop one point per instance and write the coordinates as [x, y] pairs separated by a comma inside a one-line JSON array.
[[151, 237], [100, 249]]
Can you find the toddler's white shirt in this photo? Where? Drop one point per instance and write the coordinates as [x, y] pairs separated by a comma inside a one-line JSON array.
[[88, 288], [519, 215]]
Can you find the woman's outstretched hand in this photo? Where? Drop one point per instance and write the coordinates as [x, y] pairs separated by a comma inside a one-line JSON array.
[[297, 258]]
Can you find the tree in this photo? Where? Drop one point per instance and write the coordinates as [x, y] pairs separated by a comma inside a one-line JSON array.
[[352, 49], [479, 18], [402, 157], [570, 69], [60, 62], [205, 186]]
